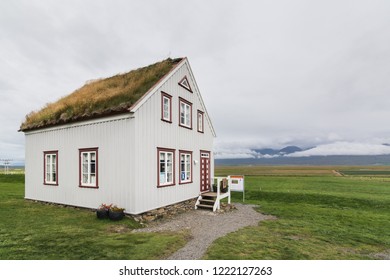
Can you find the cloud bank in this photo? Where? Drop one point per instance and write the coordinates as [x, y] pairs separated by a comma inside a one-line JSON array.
[[345, 148]]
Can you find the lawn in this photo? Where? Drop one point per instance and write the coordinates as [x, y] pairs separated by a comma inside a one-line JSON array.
[[31, 230], [317, 217]]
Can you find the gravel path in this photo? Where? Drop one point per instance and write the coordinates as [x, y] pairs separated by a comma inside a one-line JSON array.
[[205, 227]]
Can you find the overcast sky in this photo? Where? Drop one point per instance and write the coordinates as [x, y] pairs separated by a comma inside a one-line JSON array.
[[272, 73]]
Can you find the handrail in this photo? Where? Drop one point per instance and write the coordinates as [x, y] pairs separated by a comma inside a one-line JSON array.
[[218, 198]]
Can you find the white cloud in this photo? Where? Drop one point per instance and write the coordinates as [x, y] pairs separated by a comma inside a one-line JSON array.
[[344, 148], [270, 77]]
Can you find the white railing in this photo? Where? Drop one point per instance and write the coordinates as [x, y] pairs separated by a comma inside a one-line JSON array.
[[220, 196]]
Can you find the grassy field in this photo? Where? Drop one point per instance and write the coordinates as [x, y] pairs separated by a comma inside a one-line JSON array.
[[319, 215], [31, 230]]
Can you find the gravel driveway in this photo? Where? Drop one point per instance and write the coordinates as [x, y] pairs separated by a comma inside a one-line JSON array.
[[205, 227]]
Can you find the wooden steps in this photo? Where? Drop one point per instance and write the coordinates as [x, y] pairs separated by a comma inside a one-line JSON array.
[[206, 201]]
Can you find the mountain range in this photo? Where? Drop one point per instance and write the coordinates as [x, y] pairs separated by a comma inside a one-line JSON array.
[[273, 152]]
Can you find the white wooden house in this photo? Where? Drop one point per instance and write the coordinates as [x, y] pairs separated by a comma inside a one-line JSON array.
[[150, 149]]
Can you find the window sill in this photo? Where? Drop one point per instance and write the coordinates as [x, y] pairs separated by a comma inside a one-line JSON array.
[[188, 127], [163, 186], [50, 184], [185, 182], [88, 187], [168, 121]]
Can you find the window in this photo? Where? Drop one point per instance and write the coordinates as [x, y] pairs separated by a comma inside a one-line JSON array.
[[185, 115], [185, 84], [185, 167], [166, 167], [89, 168], [200, 121], [50, 167], [166, 107]]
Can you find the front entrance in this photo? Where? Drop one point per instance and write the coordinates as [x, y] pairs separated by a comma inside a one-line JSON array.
[[204, 171]]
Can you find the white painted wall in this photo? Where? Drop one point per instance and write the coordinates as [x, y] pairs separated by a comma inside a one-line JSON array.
[[151, 132], [115, 141]]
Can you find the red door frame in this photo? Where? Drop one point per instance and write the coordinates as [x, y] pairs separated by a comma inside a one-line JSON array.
[[203, 171]]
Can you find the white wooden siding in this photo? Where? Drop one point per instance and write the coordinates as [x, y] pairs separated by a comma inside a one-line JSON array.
[[115, 141], [151, 132]]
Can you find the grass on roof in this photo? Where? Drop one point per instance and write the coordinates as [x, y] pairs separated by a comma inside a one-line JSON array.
[[101, 97]]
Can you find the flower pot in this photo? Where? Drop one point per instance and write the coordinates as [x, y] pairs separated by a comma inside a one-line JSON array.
[[115, 216], [102, 213]]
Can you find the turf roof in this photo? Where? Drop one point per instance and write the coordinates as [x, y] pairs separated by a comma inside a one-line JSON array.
[[100, 98]]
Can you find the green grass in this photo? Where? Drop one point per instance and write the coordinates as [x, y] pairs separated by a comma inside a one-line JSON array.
[[318, 217], [31, 230], [365, 172], [101, 97]]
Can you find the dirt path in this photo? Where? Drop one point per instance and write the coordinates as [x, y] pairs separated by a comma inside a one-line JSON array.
[[205, 227], [336, 173]]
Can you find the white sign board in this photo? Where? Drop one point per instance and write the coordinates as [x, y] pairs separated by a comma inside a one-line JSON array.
[[236, 183]]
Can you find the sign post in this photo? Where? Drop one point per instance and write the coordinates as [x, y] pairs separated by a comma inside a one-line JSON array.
[[236, 184]]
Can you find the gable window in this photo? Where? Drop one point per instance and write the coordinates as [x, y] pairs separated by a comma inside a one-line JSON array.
[[185, 167], [50, 167], [185, 113], [185, 84], [200, 121], [166, 107], [89, 168], [166, 167]]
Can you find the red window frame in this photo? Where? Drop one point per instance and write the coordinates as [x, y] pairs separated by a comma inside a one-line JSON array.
[[197, 120], [167, 150], [184, 152], [182, 100], [169, 97], [84, 150], [45, 153], [183, 86]]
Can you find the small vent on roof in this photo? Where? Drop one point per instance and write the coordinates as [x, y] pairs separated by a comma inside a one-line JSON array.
[[185, 84]]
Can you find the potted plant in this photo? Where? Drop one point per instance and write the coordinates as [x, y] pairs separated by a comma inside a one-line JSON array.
[[116, 213], [102, 211]]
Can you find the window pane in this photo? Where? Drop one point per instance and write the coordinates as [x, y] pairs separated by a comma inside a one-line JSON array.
[[85, 168], [85, 157], [85, 178], [93, 168], [166, 108], [93, 179], [162, 178]]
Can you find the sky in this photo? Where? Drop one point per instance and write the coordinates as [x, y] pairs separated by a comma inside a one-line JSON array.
[[271, 73]]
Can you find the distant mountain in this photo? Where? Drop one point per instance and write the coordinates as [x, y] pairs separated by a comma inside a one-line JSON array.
[[273, 152], [290, 150], [312, 160]]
